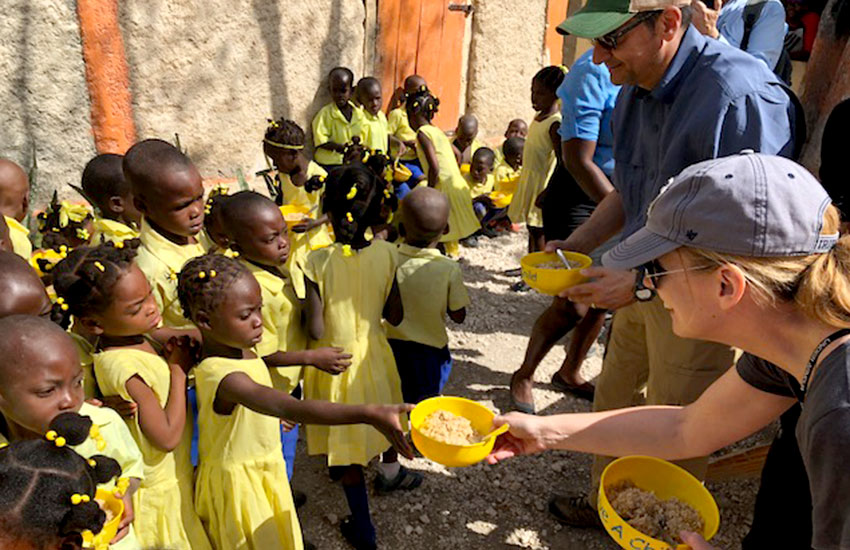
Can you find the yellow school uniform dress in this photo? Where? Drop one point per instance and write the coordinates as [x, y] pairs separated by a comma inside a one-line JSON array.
[[303, 243], [242, 493], [161, 260], [538, 163], [330, 124], [86, 352], [112, 231], [20, 237], [120, 446], [499, 153], [374, 132], [399, 126], [282, 329], [430, 284], [462, 220], [165, 515], [480, 188], [354, 289]]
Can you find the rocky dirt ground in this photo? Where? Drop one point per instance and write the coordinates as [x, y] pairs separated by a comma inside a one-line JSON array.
[[501, 506]]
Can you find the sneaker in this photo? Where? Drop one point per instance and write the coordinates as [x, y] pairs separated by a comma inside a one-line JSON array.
[[405, 480], [574, 510]]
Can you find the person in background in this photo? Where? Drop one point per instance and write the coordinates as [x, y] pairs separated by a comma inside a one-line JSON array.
[[399, 127], [14, 205], [338, 122], [466, 141], [516, 128], [104, 186]]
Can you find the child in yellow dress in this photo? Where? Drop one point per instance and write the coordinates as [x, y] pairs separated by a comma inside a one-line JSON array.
[[441, 169], [242, 493], [338, 122], [14, 204], [539, 156], [47, 364], [49, 489], [350, 287], [108, 293], [104, 186], [167, 190], [403, 147]]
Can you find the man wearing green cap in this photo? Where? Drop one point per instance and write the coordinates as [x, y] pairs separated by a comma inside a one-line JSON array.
[[686, 98]]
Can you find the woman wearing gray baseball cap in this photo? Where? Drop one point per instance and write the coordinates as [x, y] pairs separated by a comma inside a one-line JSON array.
[[742, 250]]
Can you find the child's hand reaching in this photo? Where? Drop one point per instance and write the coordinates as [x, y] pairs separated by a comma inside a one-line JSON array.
[[695, 541], [331, 360], [182, 351], [386, 419]]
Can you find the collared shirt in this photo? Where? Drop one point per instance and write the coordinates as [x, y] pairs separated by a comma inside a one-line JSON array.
[[399, 126], [767, 36], [374, 130], [112, 231], [477, 189], [714, 100], [430, 284], [587, 102], [330, 124], [20, 237], [161, 260]]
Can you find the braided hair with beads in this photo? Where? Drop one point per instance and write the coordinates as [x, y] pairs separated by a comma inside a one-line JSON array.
[[203, 282], [86, 279], [423, 102], [356, 199], [47, 490]]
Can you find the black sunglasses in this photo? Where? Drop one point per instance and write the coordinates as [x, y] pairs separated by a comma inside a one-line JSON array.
[[609, 41]]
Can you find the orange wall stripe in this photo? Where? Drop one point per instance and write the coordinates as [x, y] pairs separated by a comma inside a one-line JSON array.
[[556, 12], [107, 76]]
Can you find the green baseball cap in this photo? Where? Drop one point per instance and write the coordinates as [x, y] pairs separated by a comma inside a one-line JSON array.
[[599, 17]]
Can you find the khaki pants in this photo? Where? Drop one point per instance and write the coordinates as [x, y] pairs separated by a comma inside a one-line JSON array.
[[643, 352]]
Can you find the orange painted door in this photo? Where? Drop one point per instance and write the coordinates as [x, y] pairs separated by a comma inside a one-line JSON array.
[[423, 37]]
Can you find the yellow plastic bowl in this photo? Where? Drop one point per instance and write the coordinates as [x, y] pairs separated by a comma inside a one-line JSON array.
[[453, 455], [110, 528], [294, 214], [500, 199], [552, 281], [666, 480], [401, 172]]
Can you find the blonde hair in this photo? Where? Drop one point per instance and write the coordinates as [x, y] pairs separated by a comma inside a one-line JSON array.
[[818, 284]]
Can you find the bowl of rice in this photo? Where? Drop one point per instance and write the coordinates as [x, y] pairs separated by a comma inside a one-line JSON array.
[[547, 274], [294, 214], [645, 502], [113, 507], [450, 430]]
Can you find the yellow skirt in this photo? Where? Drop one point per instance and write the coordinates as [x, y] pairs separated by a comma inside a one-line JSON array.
[[462, 219], [165, 517]]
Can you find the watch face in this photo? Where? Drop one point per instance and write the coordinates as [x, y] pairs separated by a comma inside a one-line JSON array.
[[643, 294]]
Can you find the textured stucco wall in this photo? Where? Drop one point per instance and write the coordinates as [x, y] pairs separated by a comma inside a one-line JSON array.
[[505, 53], [43, 97], [213, 71]]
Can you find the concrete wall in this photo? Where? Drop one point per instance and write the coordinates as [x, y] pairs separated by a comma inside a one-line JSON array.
[[505, 53], [44, 102]]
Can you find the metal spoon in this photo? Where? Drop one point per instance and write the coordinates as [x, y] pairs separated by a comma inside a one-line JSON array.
[[563, 258]]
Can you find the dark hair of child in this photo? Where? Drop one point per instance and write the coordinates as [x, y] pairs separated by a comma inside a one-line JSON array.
[[146, 162], [213, 223], [47, 490], [103, 177], [550, 77], [356, 199], [284, 132], [341, 72], [204, 280], [64, 224], [422, 102], [484, 154], [86, 278], [513, 146]]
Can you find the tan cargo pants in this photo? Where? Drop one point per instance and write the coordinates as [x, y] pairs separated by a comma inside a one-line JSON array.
[[643, 353]]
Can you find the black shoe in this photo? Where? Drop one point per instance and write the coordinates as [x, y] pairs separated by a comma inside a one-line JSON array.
[[520, 286], [299, 498], [574, 510], [350, 534]]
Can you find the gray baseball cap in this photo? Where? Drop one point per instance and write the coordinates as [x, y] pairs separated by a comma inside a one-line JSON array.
[[748, 204]]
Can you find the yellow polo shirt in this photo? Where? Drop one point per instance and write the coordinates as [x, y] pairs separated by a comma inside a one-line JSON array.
[[282, 330], [375, 131], [161, 260], [20, 237], [112, 231], [430, 285], [477, 189], [399, 126], [330, 124]]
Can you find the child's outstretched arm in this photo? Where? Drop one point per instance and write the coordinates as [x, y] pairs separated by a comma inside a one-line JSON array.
[[431, 158], [315, 310], [164, 427], [333, 360], [239, 388], [393, 308]]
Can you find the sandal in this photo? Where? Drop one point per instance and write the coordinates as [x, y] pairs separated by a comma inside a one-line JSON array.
[[521, 406], [405, 480], [574, 510], [582, 391], [520, 286], [350, 534]]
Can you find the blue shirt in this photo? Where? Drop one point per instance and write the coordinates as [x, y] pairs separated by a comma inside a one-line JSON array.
[[587, 102], [714, 100], [767, 35]]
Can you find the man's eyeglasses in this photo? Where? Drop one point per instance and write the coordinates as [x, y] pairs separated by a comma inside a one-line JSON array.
[[649, 276], [609, 41]]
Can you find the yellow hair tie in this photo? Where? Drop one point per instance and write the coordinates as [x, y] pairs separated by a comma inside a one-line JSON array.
[[283, 145], [390, 217], [64, 307], [416, 104], [63, 248], [83, 234], [77, 498], [387, 193], [346, 250], [92, 462], [118, 244], [423, 88], [212, 273], [100, 267], [208, 209], [349, 217], [51, 435], [202, 275], [564, 69], [95, 434], [121, 487], [322, 178], [60, 300], [352, 192], [172, 275]]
